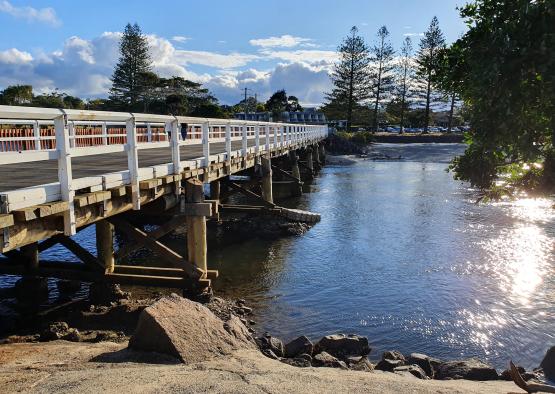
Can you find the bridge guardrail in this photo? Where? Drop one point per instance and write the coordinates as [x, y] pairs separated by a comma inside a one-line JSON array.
[[30, 134]]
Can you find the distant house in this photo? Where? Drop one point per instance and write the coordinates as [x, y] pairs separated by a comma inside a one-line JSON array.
[[308, 116]]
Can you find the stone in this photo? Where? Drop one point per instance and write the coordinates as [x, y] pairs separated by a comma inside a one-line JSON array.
[[413, 369], [272, 343], [470, 369], [105, 293], [423, 362], [268, 353], [73, 335], [343, 346], [305, 356], [548, 363], [56, 330], [325, 359], [506, 374], [393, 355], [362, 364], [297, 362], [188, 331], [298, 346], [389, 365]]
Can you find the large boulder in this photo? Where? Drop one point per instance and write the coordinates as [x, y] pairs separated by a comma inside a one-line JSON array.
[[393, 355], [268, 342], [298, 346], [343, 346], [423, 362], [470, 369], [325, 359], [188, 331], [548, 364], [414, 370], [388, 365]]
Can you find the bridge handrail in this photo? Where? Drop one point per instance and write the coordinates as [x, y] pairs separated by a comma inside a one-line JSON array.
[[60, 134]]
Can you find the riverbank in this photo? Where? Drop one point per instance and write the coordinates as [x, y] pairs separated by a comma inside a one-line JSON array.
[[61, 366]]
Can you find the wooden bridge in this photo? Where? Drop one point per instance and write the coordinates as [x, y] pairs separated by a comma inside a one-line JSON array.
[[64, 170]]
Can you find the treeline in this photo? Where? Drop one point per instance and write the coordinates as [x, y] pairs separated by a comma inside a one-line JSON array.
[[374, 85]]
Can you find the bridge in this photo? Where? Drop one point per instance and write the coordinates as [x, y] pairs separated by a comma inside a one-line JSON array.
[[63, 170]]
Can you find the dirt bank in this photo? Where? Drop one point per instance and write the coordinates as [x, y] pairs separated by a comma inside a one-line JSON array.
[[61, 366]]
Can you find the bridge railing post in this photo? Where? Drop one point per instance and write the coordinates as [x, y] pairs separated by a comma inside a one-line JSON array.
[[244, 140], [228, 142], [104, 132], [282, 135], [276, 129], [149, 132], [256, 139], [173, 127], [267, 135], [65, 175], [36, 132], [206, 143], [133, 161]]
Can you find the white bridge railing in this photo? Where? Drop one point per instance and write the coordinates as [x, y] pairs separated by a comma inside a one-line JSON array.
[[29, 134]]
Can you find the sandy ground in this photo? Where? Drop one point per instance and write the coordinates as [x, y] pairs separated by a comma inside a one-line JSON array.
[[65, 367]]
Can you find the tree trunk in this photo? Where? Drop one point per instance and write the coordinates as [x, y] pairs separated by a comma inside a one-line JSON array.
[[427, 114], [450, 125]]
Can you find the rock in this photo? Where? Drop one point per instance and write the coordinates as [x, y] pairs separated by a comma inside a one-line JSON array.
[[423, 362], [73, 335], [105, 293], [305, 356], [506, 374], [548, 363], [343, 346], [393, 355], [68, 286], [297, 362], [108, 336], [362, 364], [325, 359], [268, 353], [389, 365], [55, 331], [187, 330], [413, 369], [298, 346], [272, 343], [471, 369]]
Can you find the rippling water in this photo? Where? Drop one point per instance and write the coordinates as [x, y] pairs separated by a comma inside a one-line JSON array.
[[404, 256]]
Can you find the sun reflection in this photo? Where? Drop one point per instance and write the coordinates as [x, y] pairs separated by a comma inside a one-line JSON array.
[[519, 257]]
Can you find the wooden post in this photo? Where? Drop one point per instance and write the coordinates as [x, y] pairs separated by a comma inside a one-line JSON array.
[[309, 161], [105, 245], [196, 226], [294, 164], [30, 254], [316, 157], [322, 153], [215, 190], [267, 193]]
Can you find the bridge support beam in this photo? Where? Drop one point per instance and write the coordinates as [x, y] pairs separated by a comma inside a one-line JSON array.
[[316, 157], [196, 226], [293, 158], [310, 162], [322, 153], [266, 166], [215, 190], [105, 245]]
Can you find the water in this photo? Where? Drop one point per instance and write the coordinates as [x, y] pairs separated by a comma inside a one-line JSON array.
[[404, 256]]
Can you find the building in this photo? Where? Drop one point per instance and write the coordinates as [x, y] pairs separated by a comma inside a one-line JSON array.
[[308, 116]]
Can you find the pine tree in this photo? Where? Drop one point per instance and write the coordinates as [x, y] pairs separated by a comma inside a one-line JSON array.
[[351, 76], [405, 70], [428, 56], [134, 62], [382, 62]]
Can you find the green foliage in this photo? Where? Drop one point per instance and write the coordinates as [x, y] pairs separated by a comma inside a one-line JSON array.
[[351, 77], [17, 95], [382, 58], [361, 138], [279, 102], [130, 78], [504, 70]]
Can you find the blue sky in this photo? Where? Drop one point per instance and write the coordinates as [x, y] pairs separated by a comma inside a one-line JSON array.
[[263, 45]]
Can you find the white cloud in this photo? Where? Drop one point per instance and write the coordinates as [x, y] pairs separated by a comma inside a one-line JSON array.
[[413, 34], [43, 15], [284, 41], [83, 68], [180, 39], [14, 56]]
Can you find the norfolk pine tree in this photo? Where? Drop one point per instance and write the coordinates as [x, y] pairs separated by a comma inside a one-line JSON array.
[[134, 61], [382, 59], [427, 60], [405, 73], [350, 76]]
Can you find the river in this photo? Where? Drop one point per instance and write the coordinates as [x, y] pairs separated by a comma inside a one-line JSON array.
[[405, 256]]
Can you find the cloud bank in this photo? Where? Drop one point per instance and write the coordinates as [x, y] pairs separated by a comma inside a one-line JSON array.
[[43, 15]]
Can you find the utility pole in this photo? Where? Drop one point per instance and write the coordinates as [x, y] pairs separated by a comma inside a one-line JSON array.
[[246, 104]]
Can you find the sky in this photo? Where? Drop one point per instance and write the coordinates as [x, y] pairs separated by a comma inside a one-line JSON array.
[[262, 45]]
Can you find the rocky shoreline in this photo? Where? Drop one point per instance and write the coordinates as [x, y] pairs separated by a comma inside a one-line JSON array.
[[345, 352]]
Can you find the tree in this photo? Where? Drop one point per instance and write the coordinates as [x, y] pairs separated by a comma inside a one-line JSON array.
[[293, 104], [405, 74], [382, 61], [427, 61], [350, 77], [505, 64], [277, 103], [17, 95], [134, 61]]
